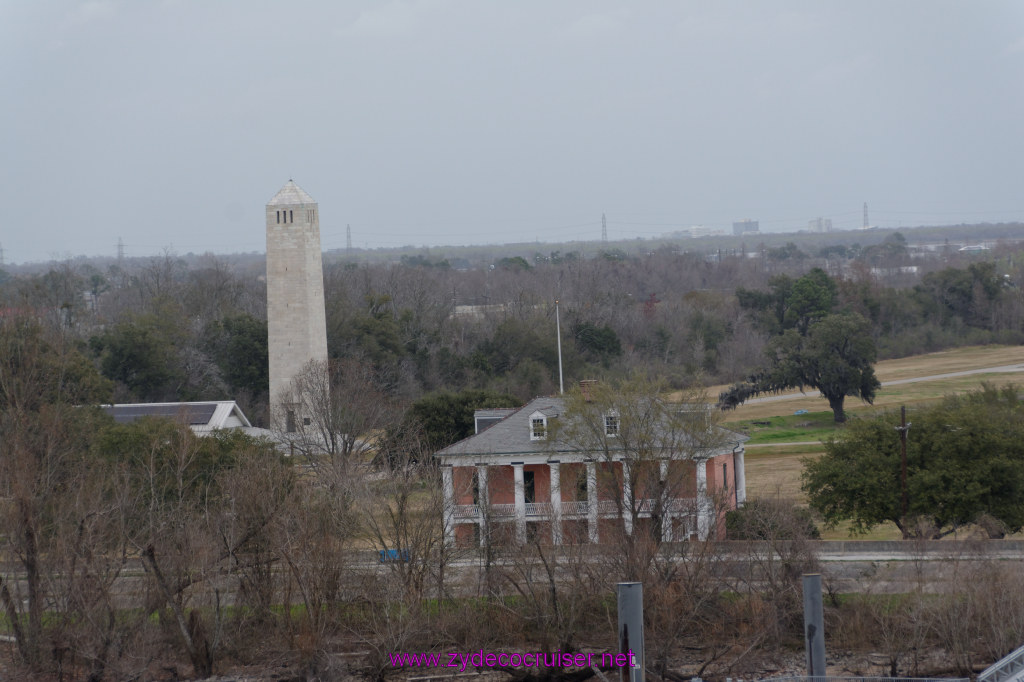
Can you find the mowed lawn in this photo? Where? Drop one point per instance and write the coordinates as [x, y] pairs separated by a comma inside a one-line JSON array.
[[773, 459]]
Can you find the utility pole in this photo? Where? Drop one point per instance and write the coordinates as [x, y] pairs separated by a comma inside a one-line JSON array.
[[604, 228], [348, 240], [903, 428], [865, 215], [120, 250]]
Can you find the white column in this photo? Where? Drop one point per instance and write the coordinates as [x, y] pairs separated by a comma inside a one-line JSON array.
[[556, 502], [592, 501], [703, 504], [740, 471], [520, 503], [668, 502], [483, 502], [449, 504], [627, 497]]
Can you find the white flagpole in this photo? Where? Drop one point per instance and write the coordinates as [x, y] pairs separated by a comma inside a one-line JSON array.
[[558, 331]]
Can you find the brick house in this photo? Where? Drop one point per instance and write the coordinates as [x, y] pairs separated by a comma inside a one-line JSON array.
[[514, 478]]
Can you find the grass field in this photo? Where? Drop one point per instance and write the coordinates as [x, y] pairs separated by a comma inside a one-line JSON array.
[[779, 439]]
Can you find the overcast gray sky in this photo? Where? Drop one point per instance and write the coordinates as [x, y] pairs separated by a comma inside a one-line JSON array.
[[431, 122]]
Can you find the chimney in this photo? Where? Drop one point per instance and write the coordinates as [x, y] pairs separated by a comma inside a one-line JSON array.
[[586, 386]]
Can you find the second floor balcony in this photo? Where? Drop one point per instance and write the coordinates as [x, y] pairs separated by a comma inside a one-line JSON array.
[[575, 509]]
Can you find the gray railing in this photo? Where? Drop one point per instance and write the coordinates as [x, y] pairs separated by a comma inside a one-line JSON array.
[[571, 508], [832, 678], [1009, 668], [466, 511]]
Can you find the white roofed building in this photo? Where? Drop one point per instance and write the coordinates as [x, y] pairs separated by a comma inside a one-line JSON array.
[[202, 417]]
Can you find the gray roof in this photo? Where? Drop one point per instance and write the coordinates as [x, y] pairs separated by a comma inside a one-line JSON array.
[[511, 435], [191, 414], [203, 417], [291, 195], [494, 412]]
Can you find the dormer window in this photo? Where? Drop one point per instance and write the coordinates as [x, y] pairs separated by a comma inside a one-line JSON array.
[[611, 425], [538, 426]]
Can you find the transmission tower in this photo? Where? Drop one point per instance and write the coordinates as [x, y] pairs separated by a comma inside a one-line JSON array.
[[120, 249], [866, 215], [604, 228], [348, 239]]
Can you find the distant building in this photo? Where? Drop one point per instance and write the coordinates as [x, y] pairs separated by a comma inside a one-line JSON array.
[[296, 319], [746, 226], [696, 231], [820, 225], [479, 311], [202, 417]]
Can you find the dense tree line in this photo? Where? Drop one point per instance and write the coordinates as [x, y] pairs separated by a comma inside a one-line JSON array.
[[170, 328]]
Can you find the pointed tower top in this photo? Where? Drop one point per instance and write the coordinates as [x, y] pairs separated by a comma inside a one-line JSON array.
[[291, 195]]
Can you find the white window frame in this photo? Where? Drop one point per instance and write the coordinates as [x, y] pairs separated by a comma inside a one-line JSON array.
[[612, 424], [534, 419]]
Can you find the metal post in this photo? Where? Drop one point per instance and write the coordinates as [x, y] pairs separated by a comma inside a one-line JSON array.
[[814, 625], [631, 629]]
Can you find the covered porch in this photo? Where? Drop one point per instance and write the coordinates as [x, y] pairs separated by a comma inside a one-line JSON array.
[[578, 501]]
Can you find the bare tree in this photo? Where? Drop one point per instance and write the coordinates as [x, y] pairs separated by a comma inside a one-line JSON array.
[[335, 412], [778, 551], [315, 545], [559, 591], [43, 454], [402, 507], [649, 449], [683, 606]]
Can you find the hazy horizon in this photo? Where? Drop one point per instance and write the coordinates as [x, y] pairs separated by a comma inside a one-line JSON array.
[[448, 122]]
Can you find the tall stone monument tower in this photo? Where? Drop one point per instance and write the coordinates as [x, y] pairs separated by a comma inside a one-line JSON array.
[[296, 324]]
